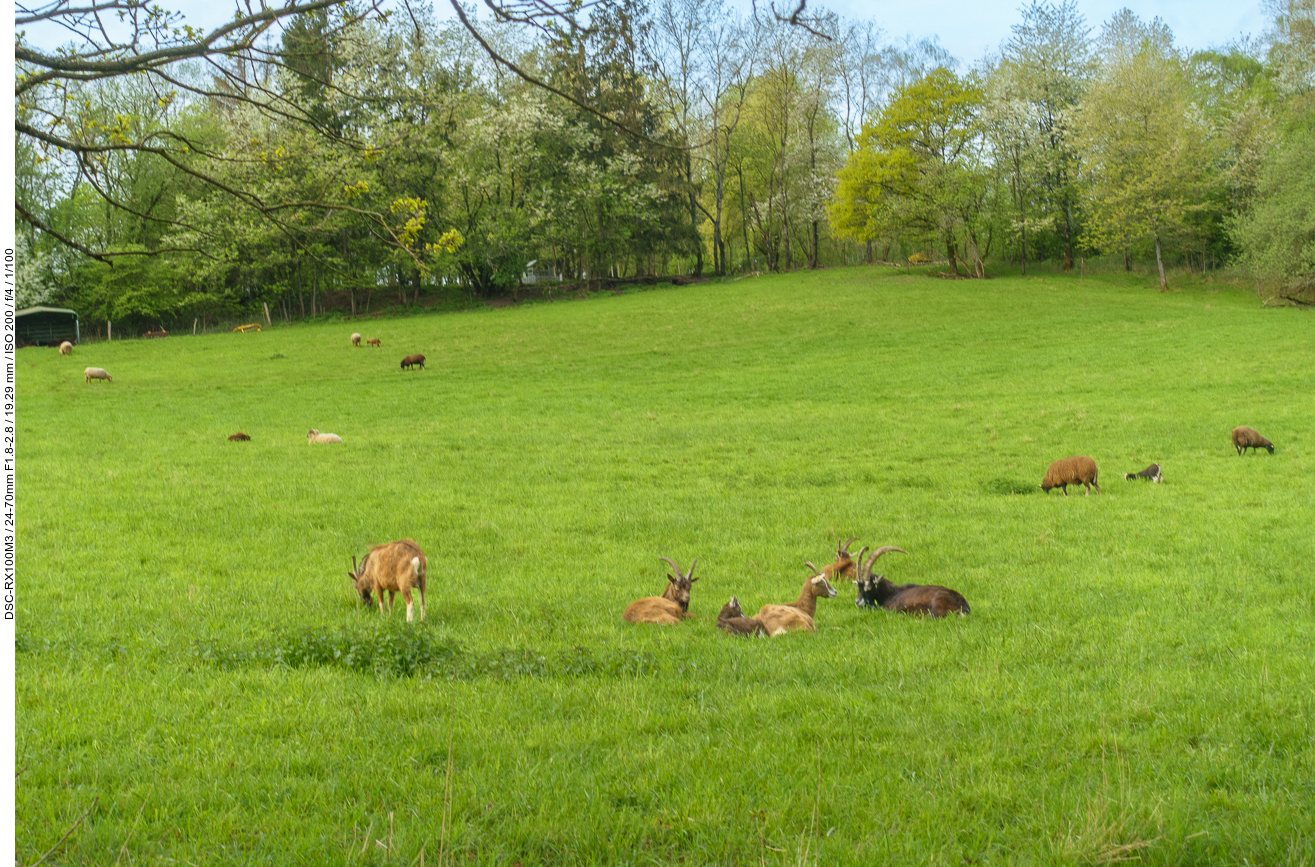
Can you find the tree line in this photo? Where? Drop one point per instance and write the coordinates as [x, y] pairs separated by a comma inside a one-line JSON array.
[[375, 157]]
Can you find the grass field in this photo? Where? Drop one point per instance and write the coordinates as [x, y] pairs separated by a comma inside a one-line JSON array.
[[1135, 681]]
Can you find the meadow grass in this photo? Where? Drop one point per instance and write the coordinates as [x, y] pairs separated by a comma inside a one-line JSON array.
[[1134, 682]]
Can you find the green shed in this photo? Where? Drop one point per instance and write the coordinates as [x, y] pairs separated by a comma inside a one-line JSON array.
[[46, 326]]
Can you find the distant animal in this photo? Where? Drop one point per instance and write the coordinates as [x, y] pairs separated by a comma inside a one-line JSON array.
[[239, 437], [798, 615], [1245, 438], [1152, 472], [412, 360], [1078, 470], [66, 348], [669, 608], [843, 569], [374, 341], [394, 567], [315, 436], [731, 619], [906, 598], [356, 340], [97, 373]]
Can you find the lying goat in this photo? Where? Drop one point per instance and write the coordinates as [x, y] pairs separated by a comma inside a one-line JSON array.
[[843, 569], [394, 567], [732, 620], [909, 598], [798, 615], [669, 608]]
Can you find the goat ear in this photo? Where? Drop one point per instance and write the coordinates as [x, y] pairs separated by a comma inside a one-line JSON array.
[[672, 578]]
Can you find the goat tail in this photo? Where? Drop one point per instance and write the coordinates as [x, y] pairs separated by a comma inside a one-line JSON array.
[[418, 567]]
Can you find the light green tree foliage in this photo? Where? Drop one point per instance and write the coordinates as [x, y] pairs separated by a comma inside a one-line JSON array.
[[1149, 149], [1042, 74], [918, 169], [1278, 234]]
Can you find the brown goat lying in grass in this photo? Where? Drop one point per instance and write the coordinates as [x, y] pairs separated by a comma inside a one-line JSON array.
[[907, 598], [669, 608], [394, 567], [843, 568], [732, 620], [798, 615]]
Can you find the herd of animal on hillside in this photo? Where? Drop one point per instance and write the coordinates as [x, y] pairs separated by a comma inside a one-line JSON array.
[[399, 567]]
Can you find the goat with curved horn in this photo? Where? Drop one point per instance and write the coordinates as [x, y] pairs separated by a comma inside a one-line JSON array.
[[669, 608], [844, 568], [907, 598]]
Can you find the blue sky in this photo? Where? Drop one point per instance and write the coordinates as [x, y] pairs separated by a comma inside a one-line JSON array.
[[968, 30]]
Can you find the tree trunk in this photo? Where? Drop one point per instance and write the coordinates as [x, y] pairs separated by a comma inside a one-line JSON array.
[[1127, 266], [1159, 263]]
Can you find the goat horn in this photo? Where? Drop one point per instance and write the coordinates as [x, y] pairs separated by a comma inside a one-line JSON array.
[[809, 564], [864, 571], [355, 571], [844, 549], [673, 565], [886, 549], [690, 574]]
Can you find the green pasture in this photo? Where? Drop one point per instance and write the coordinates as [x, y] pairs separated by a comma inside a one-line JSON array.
[[196, 683]]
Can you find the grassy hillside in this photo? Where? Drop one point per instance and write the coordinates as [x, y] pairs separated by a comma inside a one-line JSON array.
[[1135, 679]]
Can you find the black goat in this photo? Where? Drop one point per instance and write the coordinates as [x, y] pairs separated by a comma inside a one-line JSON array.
[[909, 598]]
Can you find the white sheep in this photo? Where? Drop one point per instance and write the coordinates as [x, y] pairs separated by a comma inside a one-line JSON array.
[[66, 348], [315, 436], [356, 339], [97, 373]]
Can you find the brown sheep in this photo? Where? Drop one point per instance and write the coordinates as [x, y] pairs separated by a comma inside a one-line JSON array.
[[669, 608], [1245, 438], [394, 567], [905, 598], [798, 615], [412, 360], [66, 348], [1078, 470], [732, 620], [374, 341], [239, 437]]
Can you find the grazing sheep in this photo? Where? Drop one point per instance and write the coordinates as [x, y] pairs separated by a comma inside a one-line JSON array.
[[315, 436], [356, 339], [239, 437], [1245, 438], [732, 620], [669, 608], [394, 567], [1152, 472], [905, 598], [1078, 470], [374, 341], [798, 615], [843, 569], [97, 373], [412, 360], [66, 348]]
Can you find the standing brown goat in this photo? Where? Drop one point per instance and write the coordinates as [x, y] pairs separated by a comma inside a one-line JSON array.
[[393, 567], [907, 598], [669, 608]]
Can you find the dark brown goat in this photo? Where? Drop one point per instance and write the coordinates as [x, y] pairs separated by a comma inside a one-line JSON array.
[[732, 620], [908, 598], [669, 608], [413, 359], [239, 437]]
